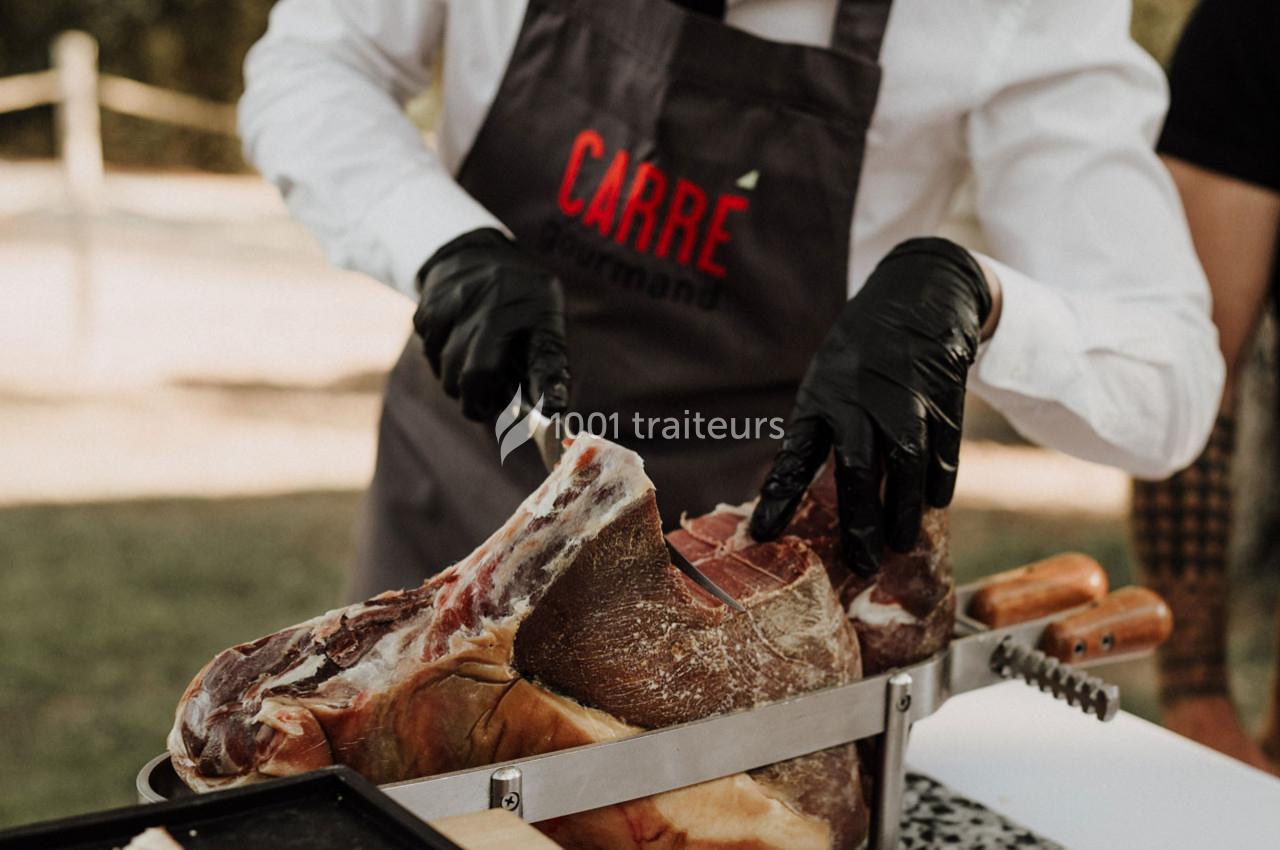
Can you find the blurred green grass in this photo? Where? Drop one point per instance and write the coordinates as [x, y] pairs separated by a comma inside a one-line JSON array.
[[107, 610]]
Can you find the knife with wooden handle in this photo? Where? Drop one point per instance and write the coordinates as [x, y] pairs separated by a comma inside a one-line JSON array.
[[1128, 621], [1037, 590], [1125, 623]]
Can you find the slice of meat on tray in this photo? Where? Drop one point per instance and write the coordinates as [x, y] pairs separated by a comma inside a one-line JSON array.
[[568, 626]]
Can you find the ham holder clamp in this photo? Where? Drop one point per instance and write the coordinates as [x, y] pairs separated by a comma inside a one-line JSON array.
[[1046, 651], [581, 678]]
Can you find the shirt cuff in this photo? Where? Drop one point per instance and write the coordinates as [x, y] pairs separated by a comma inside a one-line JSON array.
[[1034, 350], [419, 217]]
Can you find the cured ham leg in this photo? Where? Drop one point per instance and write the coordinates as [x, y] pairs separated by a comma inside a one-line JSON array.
[[568, 626]]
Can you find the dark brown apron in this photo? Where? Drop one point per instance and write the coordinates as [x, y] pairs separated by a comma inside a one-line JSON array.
[[693, 186]]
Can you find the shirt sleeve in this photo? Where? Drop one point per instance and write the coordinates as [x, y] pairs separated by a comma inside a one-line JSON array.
[[323, 119], [1225, 110], [1105, 347]]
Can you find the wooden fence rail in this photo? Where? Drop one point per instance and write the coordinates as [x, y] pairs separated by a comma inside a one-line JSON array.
[[78, 93], [120, 94], [25, 91]]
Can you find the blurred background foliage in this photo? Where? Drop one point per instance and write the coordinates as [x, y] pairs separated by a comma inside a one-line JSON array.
[[198, 47], [1157, 24], [192, 46]]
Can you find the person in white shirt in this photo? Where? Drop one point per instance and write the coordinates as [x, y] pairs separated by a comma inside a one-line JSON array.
[[681, 210]]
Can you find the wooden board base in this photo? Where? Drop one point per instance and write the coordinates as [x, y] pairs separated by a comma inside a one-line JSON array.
[[493, 830]]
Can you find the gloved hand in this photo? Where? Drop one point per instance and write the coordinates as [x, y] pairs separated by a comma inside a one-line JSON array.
[[492, 319], [886, 388]]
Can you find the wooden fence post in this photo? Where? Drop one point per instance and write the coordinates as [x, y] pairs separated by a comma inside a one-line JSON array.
[[75, 58], [79, 132]]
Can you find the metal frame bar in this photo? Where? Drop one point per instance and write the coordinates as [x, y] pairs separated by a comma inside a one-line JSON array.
[[887, 823], [629, 768]]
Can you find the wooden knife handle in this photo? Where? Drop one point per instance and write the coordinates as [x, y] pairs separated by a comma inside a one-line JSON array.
[[1132, 619], [1038, 590]]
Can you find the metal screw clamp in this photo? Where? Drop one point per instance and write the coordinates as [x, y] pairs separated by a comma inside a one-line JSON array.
[[1075, 687]]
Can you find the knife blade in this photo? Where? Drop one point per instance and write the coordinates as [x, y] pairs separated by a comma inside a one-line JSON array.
[[545, 433], [701, 579]]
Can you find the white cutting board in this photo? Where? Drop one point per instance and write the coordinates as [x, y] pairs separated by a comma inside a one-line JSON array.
[[1123, 785]]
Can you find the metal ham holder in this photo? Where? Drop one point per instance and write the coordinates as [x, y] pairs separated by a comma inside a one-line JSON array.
[[1041, 623]]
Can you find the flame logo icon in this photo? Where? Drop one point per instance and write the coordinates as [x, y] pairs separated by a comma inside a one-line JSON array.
[[511, 430]]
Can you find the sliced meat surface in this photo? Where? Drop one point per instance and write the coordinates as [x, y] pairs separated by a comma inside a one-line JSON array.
[[903, 615]]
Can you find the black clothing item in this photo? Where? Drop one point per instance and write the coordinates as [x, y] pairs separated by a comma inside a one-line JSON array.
[[492, 320], [887, 390], [1224, 112], [714, 8]]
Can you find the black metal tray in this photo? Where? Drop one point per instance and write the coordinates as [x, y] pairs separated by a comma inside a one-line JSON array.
[[330, 808]]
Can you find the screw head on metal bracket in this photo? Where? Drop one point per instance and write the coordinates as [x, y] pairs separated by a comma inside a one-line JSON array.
[[506, 790], [902, 680]]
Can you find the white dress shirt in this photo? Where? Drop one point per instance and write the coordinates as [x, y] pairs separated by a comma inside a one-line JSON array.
[[1105, 348]]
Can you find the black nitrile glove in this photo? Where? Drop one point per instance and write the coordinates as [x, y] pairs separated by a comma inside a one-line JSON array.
[[492, 319], [886, 388]]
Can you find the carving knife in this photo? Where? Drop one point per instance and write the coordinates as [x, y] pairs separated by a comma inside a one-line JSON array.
[[544, 432]]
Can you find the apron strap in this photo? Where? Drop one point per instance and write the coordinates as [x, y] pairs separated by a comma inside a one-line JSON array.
[[860, 26], [714, 8]]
